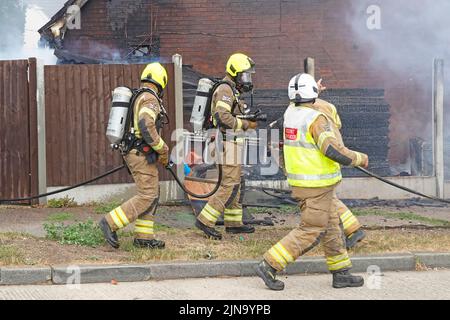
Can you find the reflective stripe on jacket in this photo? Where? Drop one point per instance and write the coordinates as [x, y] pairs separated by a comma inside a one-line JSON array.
[[306, 165]]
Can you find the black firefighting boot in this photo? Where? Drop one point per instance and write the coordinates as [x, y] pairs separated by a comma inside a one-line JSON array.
[[149, 244], [242, 229], [343, 279], [353, 239], [110, 236], [209, 232], [267, 273]]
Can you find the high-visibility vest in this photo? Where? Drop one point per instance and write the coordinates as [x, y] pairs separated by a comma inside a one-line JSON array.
[[306, 165]]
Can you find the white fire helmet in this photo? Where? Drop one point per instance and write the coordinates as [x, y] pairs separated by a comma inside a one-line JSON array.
[[303, 88]]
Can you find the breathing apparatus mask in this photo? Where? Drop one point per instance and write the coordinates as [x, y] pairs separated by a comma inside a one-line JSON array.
[[244, 80]]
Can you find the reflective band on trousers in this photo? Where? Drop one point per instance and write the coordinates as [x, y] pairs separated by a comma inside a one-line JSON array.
[[144, 227], [348, 219], [119, 218], [210, 213], [280, 254], [233, 215], [339, 262]]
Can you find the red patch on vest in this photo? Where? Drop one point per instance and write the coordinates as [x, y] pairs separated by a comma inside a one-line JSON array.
[[290, 134]]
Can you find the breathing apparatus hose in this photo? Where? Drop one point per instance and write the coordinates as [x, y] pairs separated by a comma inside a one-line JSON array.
[[373, 175], [170, 166], [64, 189]]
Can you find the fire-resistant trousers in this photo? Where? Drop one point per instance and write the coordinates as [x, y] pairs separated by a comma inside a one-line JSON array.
[[142, 207], [226, 199], [319, 223]]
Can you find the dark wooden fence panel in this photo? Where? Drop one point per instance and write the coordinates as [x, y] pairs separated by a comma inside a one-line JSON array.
[[78, 99], [18, 129]]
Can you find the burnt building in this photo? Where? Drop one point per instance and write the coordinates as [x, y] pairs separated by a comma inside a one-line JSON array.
[[355, 44]]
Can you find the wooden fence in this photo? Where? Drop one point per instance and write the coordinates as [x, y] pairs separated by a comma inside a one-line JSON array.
[[77, 103], [18, 129]]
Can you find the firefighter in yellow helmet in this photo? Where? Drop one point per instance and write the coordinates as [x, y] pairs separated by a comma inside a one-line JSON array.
[[226, 106], [313, 153], [148, 149]]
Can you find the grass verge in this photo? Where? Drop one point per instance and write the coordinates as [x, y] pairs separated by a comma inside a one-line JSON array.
[[408, 216], [82, 233]]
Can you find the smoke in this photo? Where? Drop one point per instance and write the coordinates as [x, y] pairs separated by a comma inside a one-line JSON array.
[[401, 38], [409, 35], [22, 38]]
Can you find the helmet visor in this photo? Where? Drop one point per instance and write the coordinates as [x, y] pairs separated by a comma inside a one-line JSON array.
[[246, 77]]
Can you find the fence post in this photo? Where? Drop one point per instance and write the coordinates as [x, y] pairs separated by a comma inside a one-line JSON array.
[[179, 113], [310, 67], [438, 125], [42, 156]]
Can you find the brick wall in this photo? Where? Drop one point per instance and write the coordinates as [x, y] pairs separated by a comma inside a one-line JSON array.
[[278, 34]]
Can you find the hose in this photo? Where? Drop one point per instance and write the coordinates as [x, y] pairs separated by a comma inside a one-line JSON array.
[[64, 189], [170, 166], [373, 175]]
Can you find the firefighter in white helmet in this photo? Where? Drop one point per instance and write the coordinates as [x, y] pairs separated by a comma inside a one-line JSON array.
[[147, 150], [313, 153]]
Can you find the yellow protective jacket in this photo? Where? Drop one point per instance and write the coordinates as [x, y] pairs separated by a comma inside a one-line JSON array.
[[306, 165]]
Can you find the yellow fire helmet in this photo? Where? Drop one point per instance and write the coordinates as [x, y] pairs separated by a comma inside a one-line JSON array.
[[239, 63], [155, 73]]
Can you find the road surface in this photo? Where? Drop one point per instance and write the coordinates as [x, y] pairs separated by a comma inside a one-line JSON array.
[[391, 285]]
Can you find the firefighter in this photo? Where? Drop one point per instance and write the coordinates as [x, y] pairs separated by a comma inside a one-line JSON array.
[[352, 227], [148, 149], [225, 107], [313, 153]]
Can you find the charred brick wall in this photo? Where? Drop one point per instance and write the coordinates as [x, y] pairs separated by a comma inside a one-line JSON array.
[[278, 34]]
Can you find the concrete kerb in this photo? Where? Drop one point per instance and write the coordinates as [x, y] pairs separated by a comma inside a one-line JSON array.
[[166, 271]]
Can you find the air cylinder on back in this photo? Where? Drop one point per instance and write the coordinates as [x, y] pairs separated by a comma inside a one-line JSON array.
[[201, 99], [118, 116]]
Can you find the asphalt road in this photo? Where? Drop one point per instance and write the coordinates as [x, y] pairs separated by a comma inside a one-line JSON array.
[[391, 285]]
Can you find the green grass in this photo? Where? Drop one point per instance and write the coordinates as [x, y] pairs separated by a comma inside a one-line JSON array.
[[105, 207], [60, 217], [284, 209], [82, 233], [402, 216], [65, 202], [11, 255]]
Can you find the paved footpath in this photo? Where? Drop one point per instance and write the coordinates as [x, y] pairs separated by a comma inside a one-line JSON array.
[[391, 285]]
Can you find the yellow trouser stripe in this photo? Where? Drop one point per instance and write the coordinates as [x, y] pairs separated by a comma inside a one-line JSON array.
[[212, 211], [116, 219], [160, 145], [284, 252], [338, 262], [348, 219], [143, 230], [233, 211], [122, 216], [278, 258], [148, 111], [145, 223], [223, 105], [119, 217], [324, 136], [233, 218], [208, 216]]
